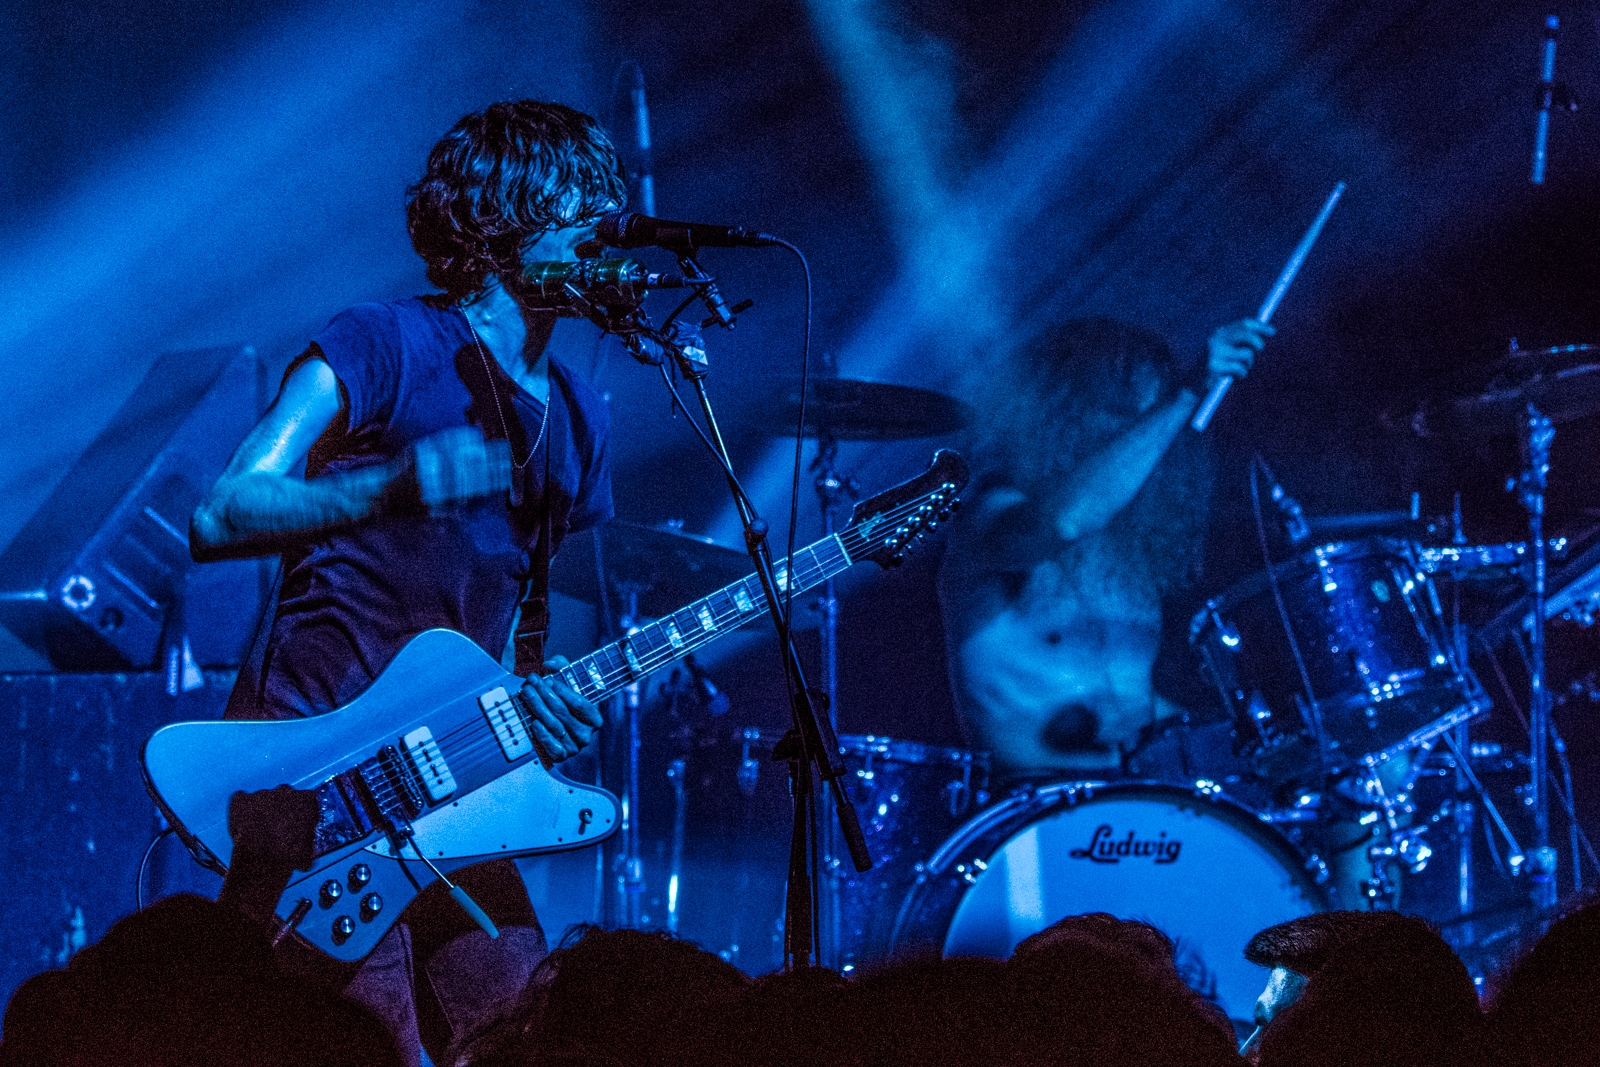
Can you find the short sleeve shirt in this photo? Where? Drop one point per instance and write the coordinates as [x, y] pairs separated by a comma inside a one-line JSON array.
[[350, 601]]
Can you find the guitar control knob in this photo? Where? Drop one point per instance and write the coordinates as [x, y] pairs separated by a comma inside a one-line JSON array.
[[331, 891], [343, 927], [371, 904], [360, 875]]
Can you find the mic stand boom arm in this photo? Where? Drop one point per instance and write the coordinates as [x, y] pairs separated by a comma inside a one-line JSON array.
[[813, 734], [819, 747]]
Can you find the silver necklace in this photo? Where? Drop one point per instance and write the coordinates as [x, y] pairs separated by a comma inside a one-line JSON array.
[[499, 407]]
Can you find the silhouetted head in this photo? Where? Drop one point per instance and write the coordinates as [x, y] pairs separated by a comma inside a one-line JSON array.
[[938, 1012], [1102, 990], [803, 1016], [1394, 996], [1546, 1010], [185, 982], [635, 998], [1295, 950]]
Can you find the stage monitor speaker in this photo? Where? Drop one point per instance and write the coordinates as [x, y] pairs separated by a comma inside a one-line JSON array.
[[100, 577]]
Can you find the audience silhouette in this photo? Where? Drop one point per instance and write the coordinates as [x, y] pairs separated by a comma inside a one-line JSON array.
[[193, 981]]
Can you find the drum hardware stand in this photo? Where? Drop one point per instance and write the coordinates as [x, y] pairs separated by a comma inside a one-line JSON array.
[[629, 866], [1538, 434], [675, 772], [833, 490], [1393, 843], [1459, 740]]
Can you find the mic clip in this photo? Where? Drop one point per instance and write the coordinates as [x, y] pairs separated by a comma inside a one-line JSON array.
[[1294, 519], [710, 295]]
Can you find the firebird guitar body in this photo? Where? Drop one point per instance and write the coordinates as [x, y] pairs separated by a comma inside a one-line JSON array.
[[435, 759]]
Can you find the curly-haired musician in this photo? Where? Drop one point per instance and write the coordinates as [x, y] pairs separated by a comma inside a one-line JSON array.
[[1085, 514], [447, 455]]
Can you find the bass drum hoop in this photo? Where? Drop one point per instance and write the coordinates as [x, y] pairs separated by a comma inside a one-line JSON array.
[[923, 922]]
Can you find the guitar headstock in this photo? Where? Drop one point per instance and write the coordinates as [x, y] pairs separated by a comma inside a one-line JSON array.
[[886, 527]]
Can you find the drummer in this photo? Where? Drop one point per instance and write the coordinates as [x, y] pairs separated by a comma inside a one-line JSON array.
[[1089, 507]]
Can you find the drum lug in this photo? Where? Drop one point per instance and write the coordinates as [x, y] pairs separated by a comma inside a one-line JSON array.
[[969, 872], [958, 795]]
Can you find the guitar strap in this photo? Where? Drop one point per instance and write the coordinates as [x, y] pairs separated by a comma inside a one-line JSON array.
[[533, 614]]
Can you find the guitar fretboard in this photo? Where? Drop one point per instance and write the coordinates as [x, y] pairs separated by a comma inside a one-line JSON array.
[[604, 672]]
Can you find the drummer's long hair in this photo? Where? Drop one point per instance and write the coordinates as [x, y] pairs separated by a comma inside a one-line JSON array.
[[1064, 396]]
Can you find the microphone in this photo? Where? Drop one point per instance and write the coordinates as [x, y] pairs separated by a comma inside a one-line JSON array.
[[575, 287], [1294, 519], [628, 229]]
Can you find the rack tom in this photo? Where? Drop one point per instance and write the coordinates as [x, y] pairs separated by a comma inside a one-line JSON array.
[[1334, 658]]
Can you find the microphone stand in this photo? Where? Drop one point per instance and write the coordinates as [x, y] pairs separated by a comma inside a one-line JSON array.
[[811, 745]]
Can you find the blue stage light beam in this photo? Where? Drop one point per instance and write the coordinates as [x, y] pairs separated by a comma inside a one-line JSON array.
[[967, 273], [271, 199]]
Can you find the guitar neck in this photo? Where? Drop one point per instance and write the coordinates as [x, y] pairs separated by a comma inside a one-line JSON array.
[[609, 670]]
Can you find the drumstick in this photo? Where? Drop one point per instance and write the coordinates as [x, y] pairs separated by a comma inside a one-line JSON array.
[[1208, 407]]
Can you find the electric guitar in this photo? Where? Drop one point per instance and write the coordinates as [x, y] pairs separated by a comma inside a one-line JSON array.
[[434, 766]]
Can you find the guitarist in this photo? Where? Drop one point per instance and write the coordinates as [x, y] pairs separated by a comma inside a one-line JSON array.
[[446, 456]]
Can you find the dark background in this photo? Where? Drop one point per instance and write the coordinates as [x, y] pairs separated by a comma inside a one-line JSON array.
[[189, 173]]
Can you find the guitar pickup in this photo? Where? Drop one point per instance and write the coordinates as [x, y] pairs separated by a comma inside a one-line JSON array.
[[429, 763], [507, 725]]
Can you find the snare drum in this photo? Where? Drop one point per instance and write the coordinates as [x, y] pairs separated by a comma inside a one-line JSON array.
[[1341, 649], [1204, 870], [909, 797]]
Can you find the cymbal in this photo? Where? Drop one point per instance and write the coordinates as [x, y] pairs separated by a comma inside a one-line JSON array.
[[853, 409], [665, 566], [1563, 383]]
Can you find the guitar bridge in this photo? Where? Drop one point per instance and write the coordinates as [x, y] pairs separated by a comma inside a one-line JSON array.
[[380, 794], [344, 815]]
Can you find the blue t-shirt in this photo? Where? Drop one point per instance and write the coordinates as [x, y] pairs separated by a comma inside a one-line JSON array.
[[350, 601]]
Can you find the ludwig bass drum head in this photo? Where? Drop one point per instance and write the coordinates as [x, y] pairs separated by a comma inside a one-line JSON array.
[[1204, 871]]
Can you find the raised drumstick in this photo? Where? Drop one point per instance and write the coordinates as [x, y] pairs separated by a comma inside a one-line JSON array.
[[1208, 406]]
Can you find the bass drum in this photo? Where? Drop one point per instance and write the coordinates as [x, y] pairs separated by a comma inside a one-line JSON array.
[[1201, 868]]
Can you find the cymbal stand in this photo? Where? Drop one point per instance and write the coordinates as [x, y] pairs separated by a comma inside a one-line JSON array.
[[1538, 434], [630, 883], [833, 490], [1459, 741]]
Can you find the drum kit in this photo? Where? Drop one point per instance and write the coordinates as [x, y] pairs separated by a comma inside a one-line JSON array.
[[1347, 690]]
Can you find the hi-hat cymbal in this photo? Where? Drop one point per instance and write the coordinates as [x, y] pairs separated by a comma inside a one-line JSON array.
[[1563, 383], [665, 566], [852, 409]]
